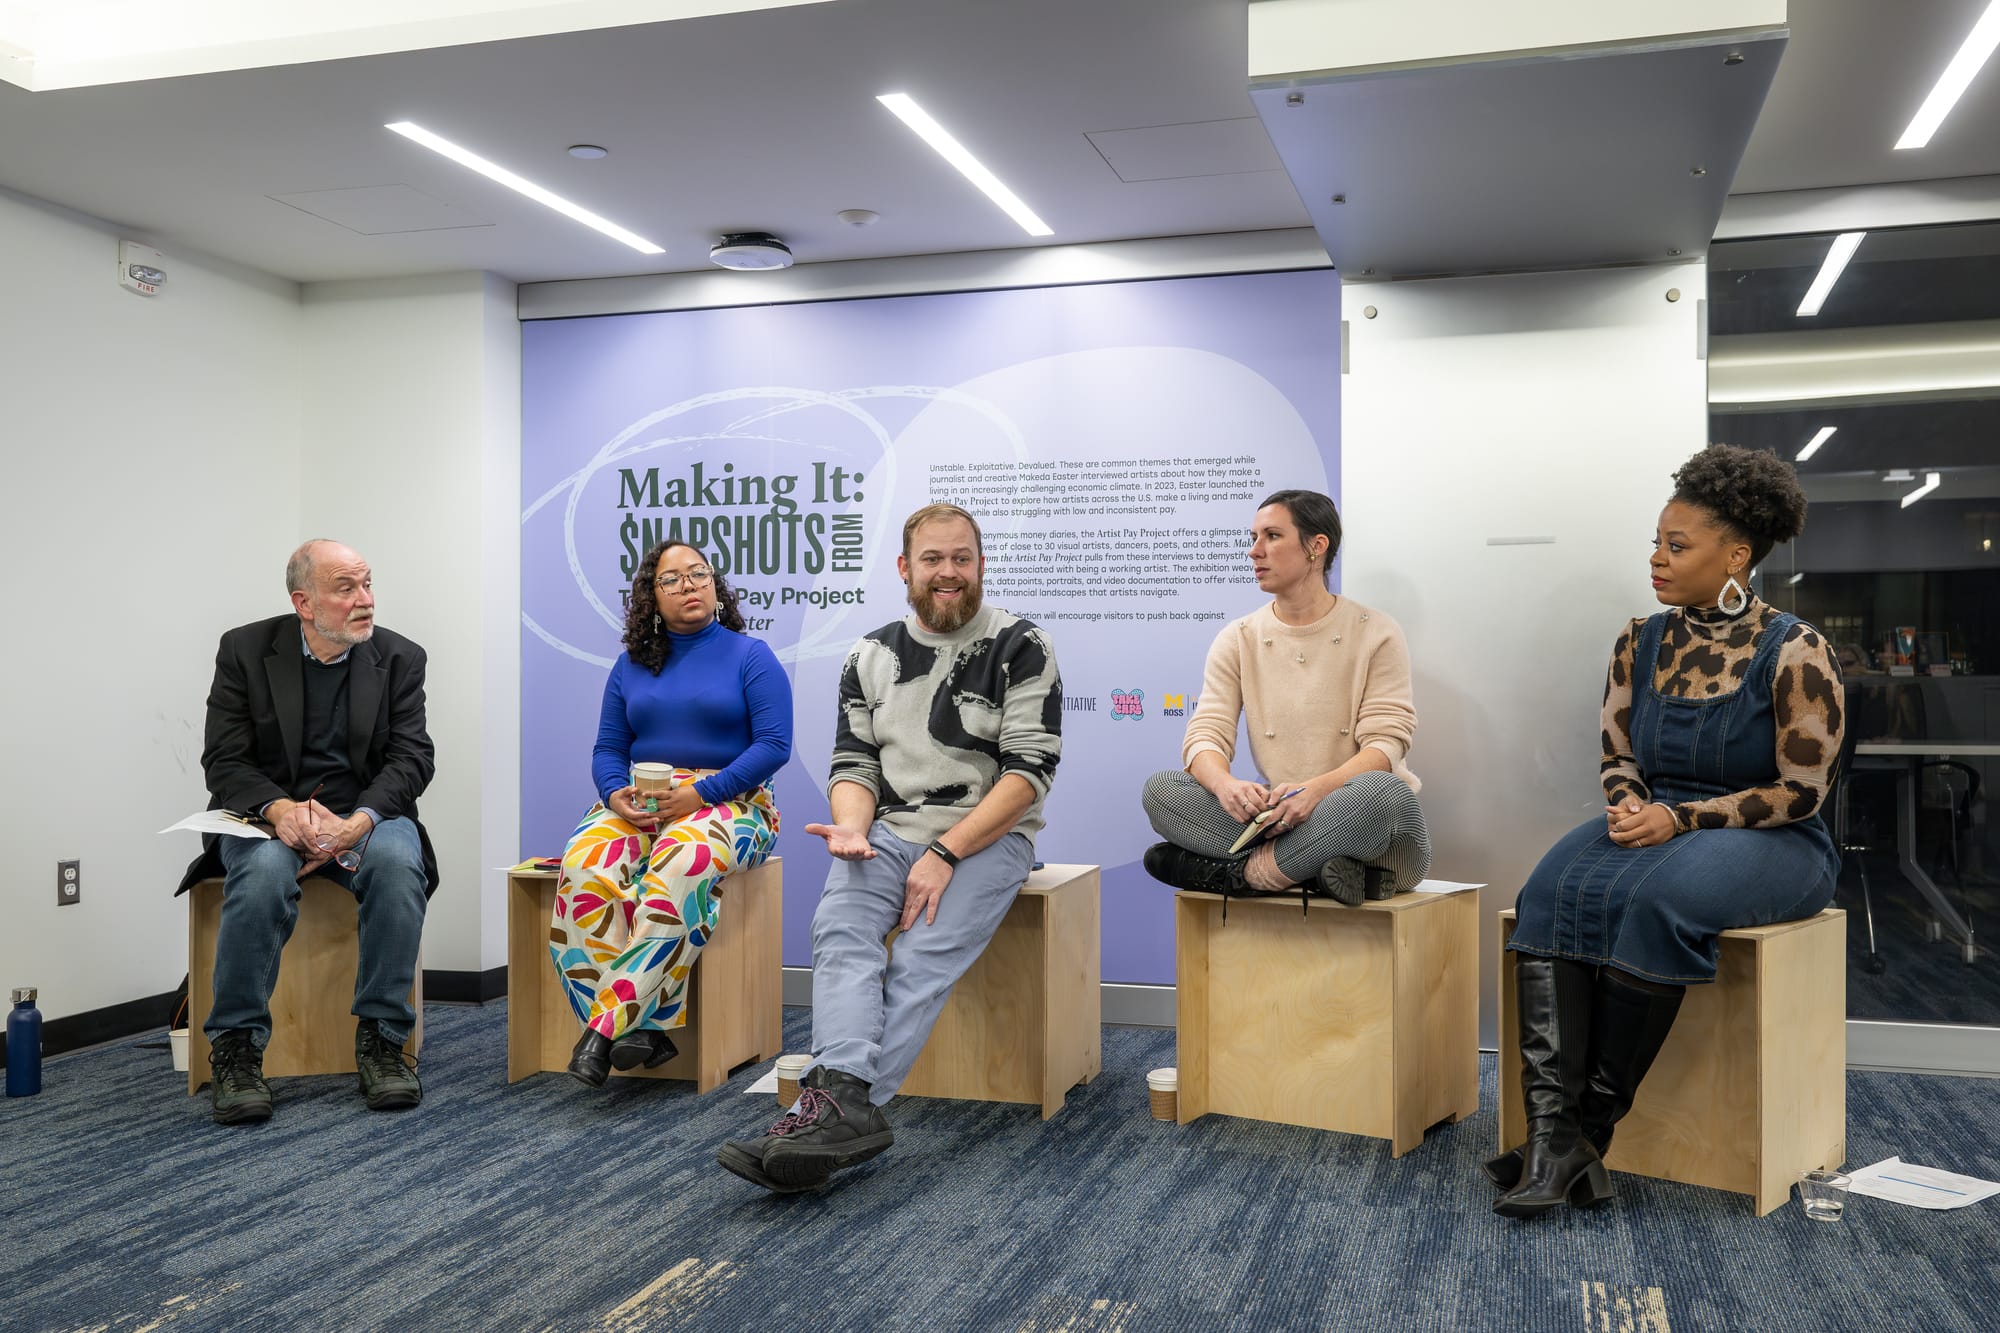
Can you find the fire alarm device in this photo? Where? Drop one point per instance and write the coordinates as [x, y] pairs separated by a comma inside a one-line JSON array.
[[141, 268]]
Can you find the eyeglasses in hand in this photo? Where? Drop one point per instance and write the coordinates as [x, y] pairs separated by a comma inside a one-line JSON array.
[[347, 858], [695, 578]]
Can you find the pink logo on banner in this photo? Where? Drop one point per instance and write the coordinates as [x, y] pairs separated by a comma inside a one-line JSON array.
[[1128, 703]]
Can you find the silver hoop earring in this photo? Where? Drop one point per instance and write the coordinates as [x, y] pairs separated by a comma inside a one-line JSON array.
[[1742, 598]]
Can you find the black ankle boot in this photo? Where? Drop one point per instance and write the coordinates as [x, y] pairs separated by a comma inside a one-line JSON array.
[[1558, 1163], [590, 1062], [1629, 1023], [646, 1048], [1183, 869]]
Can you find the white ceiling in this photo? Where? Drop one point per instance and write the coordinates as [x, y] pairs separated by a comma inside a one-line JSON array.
[[768, 120]]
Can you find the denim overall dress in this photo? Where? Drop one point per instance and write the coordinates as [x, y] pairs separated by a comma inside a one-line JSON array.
[[1655, 911]]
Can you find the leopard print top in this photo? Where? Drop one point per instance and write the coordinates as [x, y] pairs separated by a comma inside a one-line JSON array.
[[1704, 653]]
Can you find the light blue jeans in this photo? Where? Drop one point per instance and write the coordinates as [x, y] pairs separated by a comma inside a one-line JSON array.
[[260, 905], [872, 1012]]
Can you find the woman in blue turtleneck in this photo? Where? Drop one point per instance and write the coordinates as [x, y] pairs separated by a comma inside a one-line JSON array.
[[637, 895]]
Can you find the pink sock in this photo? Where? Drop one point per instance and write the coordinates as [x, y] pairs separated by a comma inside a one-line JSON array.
[[1261, 870]]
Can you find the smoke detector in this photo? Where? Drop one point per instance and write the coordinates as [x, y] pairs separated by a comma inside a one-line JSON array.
[[750, 250]]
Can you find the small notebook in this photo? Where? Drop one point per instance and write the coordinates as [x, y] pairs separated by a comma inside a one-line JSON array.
[[1251, 830]]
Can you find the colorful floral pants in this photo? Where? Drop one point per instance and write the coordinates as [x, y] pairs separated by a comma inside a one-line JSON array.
[[633, 909]]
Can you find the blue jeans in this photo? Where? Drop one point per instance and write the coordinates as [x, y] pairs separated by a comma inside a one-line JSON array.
[[260, 905]]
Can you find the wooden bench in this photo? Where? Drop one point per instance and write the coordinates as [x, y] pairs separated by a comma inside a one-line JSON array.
[[1750, 1091], [312, 1020], [1024, 1024], [735, 1006], [1360, 1019]]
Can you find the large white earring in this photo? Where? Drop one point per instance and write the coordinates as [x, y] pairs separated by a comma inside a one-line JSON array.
[[1742, 598], [658, 624]]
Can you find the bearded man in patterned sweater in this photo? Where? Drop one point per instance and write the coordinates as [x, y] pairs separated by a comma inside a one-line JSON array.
[[949, 731]]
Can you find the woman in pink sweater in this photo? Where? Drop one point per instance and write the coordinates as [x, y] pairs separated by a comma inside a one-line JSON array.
[[1325, 685]]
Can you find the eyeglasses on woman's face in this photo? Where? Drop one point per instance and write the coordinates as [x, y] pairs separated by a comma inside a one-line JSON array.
[[694, 578]]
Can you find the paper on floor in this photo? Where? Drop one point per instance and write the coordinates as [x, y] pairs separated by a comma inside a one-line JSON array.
[[1919, 1186], [768, 1083]]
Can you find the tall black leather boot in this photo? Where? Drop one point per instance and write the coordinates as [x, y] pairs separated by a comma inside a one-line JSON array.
[[1558, 1165], [1629, 1023]]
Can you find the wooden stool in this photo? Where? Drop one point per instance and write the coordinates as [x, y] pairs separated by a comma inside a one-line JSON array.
[[735, 997], [1358, 1019], [1024, 1024], [312, 1026], [1750, 1091]]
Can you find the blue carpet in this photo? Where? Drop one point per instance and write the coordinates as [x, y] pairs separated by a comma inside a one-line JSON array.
[[545, 1205]]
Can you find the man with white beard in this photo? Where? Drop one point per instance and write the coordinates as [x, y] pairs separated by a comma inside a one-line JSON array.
[[316, 731], [949, 732]]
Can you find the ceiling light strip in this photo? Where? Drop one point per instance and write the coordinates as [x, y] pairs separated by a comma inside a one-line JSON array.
[[1837, 255], [548, 198], [1930, 484], [1812, 445], [1957, 77], [954, 152]]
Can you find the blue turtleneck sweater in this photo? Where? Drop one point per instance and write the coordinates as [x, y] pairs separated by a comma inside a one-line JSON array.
[[720, 701]]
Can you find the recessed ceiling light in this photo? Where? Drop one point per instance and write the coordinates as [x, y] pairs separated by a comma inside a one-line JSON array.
[[1930, 484], [1837, 255], [858, 217], [1957, 76], [954, 152], [589, 152], [465, 157], [1812, 445]]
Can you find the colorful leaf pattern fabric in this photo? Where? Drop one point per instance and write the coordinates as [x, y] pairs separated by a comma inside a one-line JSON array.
[[634, 909]]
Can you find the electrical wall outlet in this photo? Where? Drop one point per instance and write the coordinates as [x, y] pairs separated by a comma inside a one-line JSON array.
[[69, 882]]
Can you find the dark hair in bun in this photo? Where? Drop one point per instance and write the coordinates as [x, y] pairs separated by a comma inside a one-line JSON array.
[[1754, 494]]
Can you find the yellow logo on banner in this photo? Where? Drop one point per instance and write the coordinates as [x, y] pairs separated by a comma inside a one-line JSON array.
[[1174, 701]]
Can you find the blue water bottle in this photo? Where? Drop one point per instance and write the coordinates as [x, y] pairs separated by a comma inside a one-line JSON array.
[[24, 1045]]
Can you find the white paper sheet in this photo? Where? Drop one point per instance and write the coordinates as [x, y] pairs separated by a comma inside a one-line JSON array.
[[768, 1083], [1919, 1186], [218, 821], [1443, 886]]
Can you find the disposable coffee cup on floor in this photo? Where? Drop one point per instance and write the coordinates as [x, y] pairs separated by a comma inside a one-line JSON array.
[[653, 777], [791, 1068], [1164, 1087], [177, 1039]]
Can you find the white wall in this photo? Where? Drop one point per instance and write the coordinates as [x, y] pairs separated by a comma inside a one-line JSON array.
[[151, 449], [1288, 36], [1535, 406], [411, 436], [163, 457]]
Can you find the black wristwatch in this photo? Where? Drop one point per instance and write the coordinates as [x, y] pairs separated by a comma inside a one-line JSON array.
[[945, 853]]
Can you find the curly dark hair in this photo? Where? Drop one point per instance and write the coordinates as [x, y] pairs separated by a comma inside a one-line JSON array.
[[1313, 515], [1753, 494], [645, 636]]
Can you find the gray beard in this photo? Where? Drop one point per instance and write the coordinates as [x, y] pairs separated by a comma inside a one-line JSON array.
[[342, 635]]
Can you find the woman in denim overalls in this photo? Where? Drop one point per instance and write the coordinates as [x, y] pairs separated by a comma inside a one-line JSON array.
[[1722, 722]]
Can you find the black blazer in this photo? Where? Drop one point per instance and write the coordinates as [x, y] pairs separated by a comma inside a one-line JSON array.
[[256, 722]]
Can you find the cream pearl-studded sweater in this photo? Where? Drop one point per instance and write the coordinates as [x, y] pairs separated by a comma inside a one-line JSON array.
[[1314, 695]]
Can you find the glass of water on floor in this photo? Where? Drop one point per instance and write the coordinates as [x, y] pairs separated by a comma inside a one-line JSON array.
[[1824, 1194]]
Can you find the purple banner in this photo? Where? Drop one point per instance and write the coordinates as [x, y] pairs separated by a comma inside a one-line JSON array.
[[1113, 441]]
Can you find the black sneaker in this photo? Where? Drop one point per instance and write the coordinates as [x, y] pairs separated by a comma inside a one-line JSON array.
[[1183, 869], [388, 1077], [238, 1094], [1343, 879], [831, 1127]]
